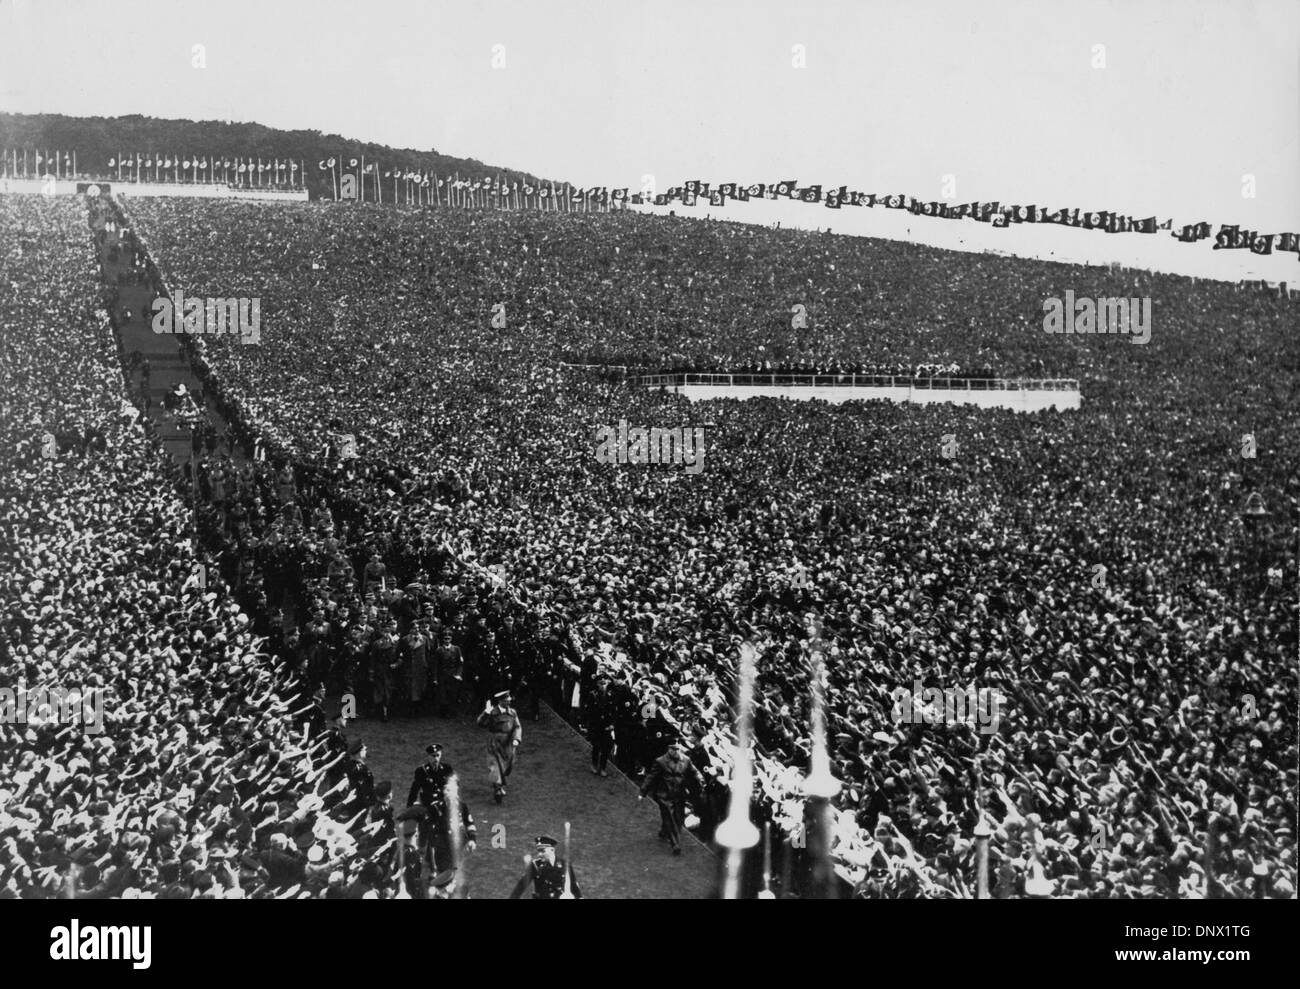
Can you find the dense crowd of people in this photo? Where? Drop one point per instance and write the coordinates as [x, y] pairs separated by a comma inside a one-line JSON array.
[[213, 772], [1124, 693], [1149, 706]]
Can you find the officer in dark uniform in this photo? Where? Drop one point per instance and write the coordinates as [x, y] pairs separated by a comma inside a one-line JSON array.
[[315, 713], [430, 782], [414, 876], [429, 790], [381, 813], [546, 874], [437, 849], [316, 646], [448, 670], [601, 724], [670, 780], [454, 832], [443, 885], [360, 776]]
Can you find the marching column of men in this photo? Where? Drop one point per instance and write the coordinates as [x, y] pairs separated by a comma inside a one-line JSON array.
[[428, 647], [436, 828]]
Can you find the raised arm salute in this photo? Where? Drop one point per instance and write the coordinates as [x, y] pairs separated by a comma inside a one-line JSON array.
[[504, 735]]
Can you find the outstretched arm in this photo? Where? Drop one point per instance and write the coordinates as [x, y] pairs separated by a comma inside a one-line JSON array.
[[651, 778], [694, 782]]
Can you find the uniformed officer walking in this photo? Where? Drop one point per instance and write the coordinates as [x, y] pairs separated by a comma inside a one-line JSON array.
[[546, 874], [670, 780], [429, 790], [455, 834], [360, 776], [504, 736]]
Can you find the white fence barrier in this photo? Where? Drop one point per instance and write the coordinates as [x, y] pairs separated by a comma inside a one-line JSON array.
[[1021, 394]]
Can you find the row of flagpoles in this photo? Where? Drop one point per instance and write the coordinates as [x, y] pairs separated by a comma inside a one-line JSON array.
[[37, 163], [352, 178], [1229, 236], [158, 167], [249, 171], [356, 179]]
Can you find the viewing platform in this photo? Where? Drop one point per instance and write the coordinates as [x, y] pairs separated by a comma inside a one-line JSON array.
[[1018, 394]]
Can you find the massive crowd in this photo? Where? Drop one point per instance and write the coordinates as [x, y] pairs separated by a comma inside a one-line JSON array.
[[1149, 705], [213, 772], [980, 568]]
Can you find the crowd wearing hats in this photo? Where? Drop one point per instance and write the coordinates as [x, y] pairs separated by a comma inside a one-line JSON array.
[[1150, 713]]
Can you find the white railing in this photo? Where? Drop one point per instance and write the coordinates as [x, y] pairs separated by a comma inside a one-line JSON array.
[[596, 367], [859, 381]]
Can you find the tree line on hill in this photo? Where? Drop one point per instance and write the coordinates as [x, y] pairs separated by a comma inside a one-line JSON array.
[[97, 140]]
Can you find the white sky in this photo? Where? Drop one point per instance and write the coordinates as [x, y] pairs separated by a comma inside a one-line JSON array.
[[896, 94]]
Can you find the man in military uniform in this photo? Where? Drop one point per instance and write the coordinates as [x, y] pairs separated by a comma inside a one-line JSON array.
[[504, 736], [361, 778], [374, 575], [443, 886], [601, 721], [284, 483], [448, 669], [454, 832], [413, 651], [383, 664], [414, 853], [546, 875], [429, 790], [316, 643], [671, 778], [381, 813]]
